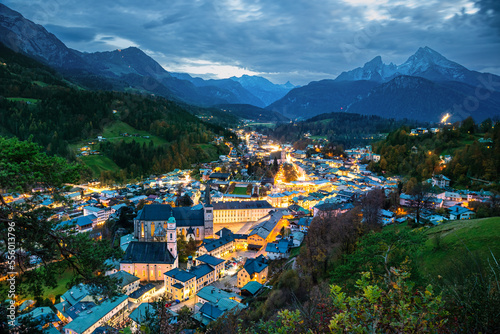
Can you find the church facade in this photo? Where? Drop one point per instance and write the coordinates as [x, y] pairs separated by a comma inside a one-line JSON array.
[[195, 222]]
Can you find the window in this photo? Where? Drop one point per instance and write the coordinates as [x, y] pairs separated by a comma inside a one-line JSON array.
[[197, 232], [142, 229]]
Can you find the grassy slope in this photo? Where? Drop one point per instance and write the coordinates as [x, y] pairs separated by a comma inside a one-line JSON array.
[[62, 281], [98, 163], [25, 99], [476, 235], [112, 133]]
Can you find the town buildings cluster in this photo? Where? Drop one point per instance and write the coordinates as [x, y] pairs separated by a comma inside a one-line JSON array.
[[272, 216]]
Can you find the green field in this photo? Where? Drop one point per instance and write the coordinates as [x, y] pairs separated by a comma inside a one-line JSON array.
[[40, 83], [268, 125], [240, 191], [112, 133], [98, 163], [24, 99], [62, 281], [481, 236]]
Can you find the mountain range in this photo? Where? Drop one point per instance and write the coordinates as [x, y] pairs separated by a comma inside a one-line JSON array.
[[129, 69], [425, 87]]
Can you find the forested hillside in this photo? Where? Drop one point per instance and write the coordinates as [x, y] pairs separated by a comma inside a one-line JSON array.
[[36, 101], [474, 149], [339, 128]]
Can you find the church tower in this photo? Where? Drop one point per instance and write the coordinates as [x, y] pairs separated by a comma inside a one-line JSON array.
[[172, 236], [208, 211]]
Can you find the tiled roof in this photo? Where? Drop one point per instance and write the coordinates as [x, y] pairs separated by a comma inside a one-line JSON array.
[[147, 252], [242, 205], [209, 259]]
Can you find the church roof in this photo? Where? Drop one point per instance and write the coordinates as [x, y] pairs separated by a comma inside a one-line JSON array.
[[184, 216], [147, 252], [242, 205]]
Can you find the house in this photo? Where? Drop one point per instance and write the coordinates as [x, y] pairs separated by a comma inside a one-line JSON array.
[[99, 315], [440, 181], [214, 303], [387, 217], [278, 250], [125, 240], [43, 316], [144, 313], [216, 263], [217, 247], [459, 212], [296, 238], [266, 230], [76, 294], [102, 214], [142, 293], [127, 282], [326, 209], [69, 313], [253, 270], [251, 288], [84, 223], [304, 223], [114, 266], [180, 284]]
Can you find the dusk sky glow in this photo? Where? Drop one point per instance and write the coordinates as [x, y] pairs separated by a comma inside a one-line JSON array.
[[299, 41]]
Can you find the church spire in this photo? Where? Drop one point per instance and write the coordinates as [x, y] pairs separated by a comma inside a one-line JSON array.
[[207, 193]]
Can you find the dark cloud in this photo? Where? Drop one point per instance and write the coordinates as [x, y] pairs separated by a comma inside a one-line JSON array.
[[297, 40], [490, 9], [71, 34]]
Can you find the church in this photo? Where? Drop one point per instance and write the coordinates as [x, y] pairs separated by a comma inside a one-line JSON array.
[[150, 259], [194, 222]]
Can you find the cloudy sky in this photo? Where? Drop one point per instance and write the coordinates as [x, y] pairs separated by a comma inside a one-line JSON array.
[[296, 40]]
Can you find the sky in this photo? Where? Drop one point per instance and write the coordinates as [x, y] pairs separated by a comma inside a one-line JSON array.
[[294, 40]]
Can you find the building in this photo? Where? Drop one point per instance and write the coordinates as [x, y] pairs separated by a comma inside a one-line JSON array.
[[180, 284], [232, 212], [253, 270], [43, 316], [99, 315], [214, 303], [126, 281], [267, 229], [102, 214], [216, 263], [278, 250], [142, 293], [148, 260], [217, 247], [144, 313], [440, 181], [152, 220], [459, 212]]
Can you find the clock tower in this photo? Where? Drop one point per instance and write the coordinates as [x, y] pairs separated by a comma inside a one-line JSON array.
[[172, 236]]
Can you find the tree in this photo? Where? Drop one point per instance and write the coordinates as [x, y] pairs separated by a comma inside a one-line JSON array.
[[29, 228], [420, 198], [371, 204], [396, 307], [184, 200]]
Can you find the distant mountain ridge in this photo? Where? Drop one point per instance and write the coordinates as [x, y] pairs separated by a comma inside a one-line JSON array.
[[123, 69], [424, 88]]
